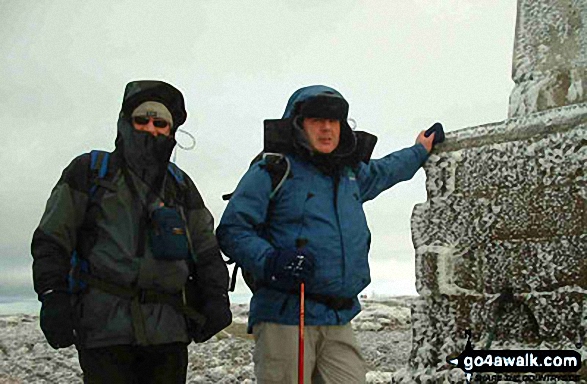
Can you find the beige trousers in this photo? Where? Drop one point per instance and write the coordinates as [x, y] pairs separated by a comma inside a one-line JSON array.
[[331, 355]]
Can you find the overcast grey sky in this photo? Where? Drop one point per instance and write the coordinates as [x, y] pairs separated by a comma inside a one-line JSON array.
[[401, 64]]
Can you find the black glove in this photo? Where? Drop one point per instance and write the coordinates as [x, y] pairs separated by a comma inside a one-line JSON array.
[[218, 316], [286, 269], [438, 131], [57, 319]]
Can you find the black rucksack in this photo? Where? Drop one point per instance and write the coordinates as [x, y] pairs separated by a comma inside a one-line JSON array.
[[279, 169]]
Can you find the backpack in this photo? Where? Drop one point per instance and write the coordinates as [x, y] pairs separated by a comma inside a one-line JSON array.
[[279, 169]]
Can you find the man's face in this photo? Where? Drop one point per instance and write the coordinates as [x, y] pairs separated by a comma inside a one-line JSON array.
[[323, 134], [154, 125]]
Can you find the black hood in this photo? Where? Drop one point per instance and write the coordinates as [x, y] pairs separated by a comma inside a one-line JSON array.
[[324, 102], [287, 135], [137, 92], [146, 155]]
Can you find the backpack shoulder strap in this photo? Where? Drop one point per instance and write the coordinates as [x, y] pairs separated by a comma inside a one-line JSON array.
[[176, 173], [277, 165], [99, 162], [179, 189], [98, 171], [279, 168]]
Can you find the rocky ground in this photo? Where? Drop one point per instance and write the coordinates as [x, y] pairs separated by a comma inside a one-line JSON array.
[[383, 330]]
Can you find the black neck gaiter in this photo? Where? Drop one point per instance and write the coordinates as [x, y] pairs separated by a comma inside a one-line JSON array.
[[146, 155]]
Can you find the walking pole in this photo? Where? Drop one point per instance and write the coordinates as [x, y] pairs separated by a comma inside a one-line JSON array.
[[301, 338], [300, 243]]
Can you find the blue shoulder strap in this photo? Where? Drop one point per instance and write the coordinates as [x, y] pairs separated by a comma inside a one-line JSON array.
[[99, 164], [176, 173], [98, 169]]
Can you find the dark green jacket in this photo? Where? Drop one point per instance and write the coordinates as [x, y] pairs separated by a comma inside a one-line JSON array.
[[106, 232]]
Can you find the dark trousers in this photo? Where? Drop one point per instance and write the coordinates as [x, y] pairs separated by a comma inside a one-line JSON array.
[[126, 364]]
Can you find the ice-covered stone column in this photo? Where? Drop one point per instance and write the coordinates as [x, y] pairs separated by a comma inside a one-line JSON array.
[[501, 242], [550, 55]]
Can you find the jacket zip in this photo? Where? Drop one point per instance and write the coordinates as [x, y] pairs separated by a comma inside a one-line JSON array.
[[336, 182]]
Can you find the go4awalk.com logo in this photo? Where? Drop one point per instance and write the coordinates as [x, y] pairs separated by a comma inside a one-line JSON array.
[[515, 361]]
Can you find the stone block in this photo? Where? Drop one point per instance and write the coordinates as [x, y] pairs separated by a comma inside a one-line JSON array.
[[501, 243], [495, 206]]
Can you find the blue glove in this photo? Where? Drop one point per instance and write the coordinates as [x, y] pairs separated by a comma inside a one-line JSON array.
[[286, 269], [438, 131], [57, 320]]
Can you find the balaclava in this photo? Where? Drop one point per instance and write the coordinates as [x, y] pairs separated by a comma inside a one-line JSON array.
[[147, 155]]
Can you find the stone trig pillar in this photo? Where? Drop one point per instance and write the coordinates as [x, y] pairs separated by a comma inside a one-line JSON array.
[[501, 242], [550, 55]]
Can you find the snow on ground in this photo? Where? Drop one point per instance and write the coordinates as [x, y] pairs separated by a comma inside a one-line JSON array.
[[383, 330]]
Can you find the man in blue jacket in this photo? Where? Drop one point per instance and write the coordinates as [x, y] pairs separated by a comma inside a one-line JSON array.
[[311, 229]]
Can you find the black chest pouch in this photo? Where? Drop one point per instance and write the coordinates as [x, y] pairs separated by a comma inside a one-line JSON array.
[[167, 234]]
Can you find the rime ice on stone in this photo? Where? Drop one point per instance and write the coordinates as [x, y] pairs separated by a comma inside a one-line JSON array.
[[507, 211], [550, 55]]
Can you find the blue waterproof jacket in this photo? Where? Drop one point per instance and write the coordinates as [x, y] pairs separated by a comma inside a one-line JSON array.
[[306, 207]]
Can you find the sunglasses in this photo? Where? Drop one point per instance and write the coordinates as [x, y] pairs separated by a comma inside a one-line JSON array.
[[158, 123]]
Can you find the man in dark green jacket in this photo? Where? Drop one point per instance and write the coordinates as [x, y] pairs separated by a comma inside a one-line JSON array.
[[113, 253]]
